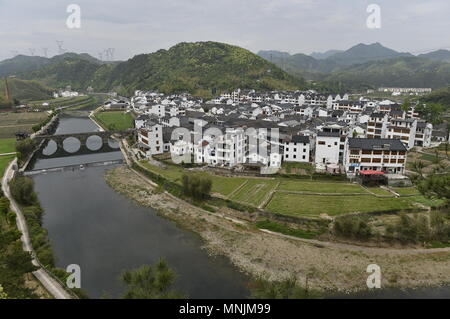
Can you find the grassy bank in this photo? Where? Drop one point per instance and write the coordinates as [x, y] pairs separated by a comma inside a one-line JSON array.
[[115, 120]]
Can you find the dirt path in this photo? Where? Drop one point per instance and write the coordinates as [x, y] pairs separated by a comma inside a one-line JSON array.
[[328, 266]]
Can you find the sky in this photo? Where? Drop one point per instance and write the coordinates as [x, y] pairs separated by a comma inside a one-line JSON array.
[[296, 26]]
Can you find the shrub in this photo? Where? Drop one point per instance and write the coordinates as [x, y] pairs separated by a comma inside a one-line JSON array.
[[22, 190], [196, 186]]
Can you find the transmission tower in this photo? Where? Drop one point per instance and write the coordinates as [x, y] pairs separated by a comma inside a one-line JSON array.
[[45, 51], [61, 50], [14, 52], [32, 51]]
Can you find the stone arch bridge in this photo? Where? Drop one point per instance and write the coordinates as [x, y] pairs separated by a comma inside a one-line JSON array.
[[82, 140]]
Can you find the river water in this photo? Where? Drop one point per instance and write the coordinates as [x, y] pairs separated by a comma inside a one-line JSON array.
[[103, 232]]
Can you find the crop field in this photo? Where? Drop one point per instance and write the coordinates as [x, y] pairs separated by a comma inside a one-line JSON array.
[[315, 205], [338, 197], [320, 187], [255, 191], [11, 123]]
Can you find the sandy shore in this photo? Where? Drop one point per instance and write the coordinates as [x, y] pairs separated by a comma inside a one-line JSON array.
[[328, 268]]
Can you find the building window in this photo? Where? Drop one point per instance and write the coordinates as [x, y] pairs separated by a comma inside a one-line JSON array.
[[321, 142]]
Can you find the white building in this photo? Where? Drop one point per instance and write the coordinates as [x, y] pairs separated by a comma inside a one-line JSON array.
[[297, 149], [327, 149], [150, 139]]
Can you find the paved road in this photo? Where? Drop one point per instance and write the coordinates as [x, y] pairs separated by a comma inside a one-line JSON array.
[[52, 286]]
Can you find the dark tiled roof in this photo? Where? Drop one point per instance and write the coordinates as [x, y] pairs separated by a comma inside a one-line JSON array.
[[329, 134], [376, 143], [300, 139]]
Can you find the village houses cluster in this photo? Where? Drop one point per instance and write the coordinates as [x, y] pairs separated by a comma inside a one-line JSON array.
[[330, 131]]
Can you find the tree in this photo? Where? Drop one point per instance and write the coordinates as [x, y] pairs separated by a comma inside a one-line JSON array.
[[149, 282], [196, 186], [22, 190], [406, 105], [24, 148], [436, 186]]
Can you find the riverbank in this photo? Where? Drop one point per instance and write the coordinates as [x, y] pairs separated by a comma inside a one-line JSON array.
[[331, 268], [46, 278]]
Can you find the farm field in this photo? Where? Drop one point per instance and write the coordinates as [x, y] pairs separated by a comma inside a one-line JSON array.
[[406, 190], [315, 205], [7, 145], [320, 187], [11, 123], [255, 191], [380, 191], [115, 120], [221, 185], [4, 161]]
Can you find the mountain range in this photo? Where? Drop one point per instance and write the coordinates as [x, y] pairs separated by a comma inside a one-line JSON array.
[[201, 68], [366, 66], [207, 68]]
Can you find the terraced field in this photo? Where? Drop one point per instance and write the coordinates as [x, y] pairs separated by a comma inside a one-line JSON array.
[[255, 191], [320, 187], [339, 197]]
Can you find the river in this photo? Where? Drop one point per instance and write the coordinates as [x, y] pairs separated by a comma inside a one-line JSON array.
[[103, 232]]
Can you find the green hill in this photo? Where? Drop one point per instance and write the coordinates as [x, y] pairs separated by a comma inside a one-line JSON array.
[[199, 68], [24, 90], [401, 72]]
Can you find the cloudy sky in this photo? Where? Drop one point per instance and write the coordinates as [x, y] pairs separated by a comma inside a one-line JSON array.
[[143, 26]]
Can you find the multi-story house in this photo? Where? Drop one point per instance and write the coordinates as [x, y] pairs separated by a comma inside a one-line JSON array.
[[377, 125], [150, 138], [296, 149], [327, 149], [424, 133], [402, 129], [378, 154]]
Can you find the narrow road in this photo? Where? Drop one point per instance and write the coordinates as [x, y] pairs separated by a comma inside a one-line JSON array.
[[52, 286]]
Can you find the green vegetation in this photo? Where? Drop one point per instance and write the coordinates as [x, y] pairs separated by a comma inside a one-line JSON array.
[[24, 148], [201, 68], [22, 189], [23, 90], [196, 186], [11, 122], [7, 145], [406, 190], [285, 289], [14, 262], [150, 282], [356, 227], [115, 120], [320, 187], [254, 191], [380, 191], [4, 161], [314, 205], [283, 229]]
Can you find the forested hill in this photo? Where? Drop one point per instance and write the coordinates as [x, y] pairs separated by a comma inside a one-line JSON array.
[[200, 68]]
